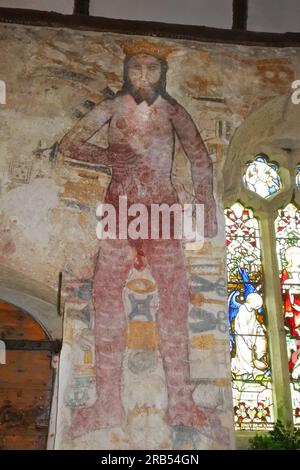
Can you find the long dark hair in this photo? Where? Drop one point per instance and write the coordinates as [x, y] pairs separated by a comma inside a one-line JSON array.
[[160, 87]]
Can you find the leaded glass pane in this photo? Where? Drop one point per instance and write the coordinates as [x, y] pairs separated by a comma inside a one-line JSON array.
[[287, 226], [262, 177], [298, 177], [251, 375]]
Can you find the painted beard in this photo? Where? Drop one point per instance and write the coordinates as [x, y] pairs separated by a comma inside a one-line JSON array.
[[148, 94]]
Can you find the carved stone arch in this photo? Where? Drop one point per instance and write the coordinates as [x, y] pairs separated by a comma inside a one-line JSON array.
[[273, 129], [28, 385], [35, 298]]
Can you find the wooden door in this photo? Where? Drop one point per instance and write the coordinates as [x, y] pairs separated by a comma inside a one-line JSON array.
[[26, 381]]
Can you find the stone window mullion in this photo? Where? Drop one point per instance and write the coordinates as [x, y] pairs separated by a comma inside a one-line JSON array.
[[276, 334]]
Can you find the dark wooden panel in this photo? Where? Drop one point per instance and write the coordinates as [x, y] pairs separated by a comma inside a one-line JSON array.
[[240, 14], [23, 345], [81, 7], [26, 381], [15, 324], [22, 442], [26, 370], [24, 412]]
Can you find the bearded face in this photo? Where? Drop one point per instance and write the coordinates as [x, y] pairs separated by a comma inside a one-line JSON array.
[[143, 77]]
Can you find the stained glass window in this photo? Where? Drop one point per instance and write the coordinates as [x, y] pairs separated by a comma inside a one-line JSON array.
[[262, 177], [287, 226], [251, 375], [298, 177]]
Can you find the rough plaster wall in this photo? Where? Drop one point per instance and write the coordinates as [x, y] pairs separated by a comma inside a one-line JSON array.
[[48, 210]]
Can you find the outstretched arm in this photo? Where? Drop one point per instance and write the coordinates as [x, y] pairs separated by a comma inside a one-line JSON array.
[[202, 170], [75, 143]]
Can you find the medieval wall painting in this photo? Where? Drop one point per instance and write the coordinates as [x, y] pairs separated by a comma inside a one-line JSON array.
[[287, 226], [145, 361], [140, 152]]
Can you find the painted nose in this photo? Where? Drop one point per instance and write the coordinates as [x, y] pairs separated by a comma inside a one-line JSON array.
[[144, 74]]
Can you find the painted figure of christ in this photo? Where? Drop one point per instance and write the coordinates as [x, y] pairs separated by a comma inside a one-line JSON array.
[[143, 121]]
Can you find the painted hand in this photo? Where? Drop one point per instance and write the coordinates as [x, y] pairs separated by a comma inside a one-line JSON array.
[[210, 218]]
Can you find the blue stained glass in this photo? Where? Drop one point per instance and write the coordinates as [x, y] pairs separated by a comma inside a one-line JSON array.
[[262, 177], [251, 375]]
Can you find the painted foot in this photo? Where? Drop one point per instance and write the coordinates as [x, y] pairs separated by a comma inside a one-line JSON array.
[[199, 418], [195, 425], [187, 416], [213, 429], [184, 438], [85, 420]]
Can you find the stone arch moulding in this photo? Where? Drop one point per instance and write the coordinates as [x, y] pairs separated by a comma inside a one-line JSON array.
[[34, 298], [273, 130]]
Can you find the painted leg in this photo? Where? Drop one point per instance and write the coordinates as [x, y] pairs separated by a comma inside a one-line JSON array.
[[115, 260], [166, 261]]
